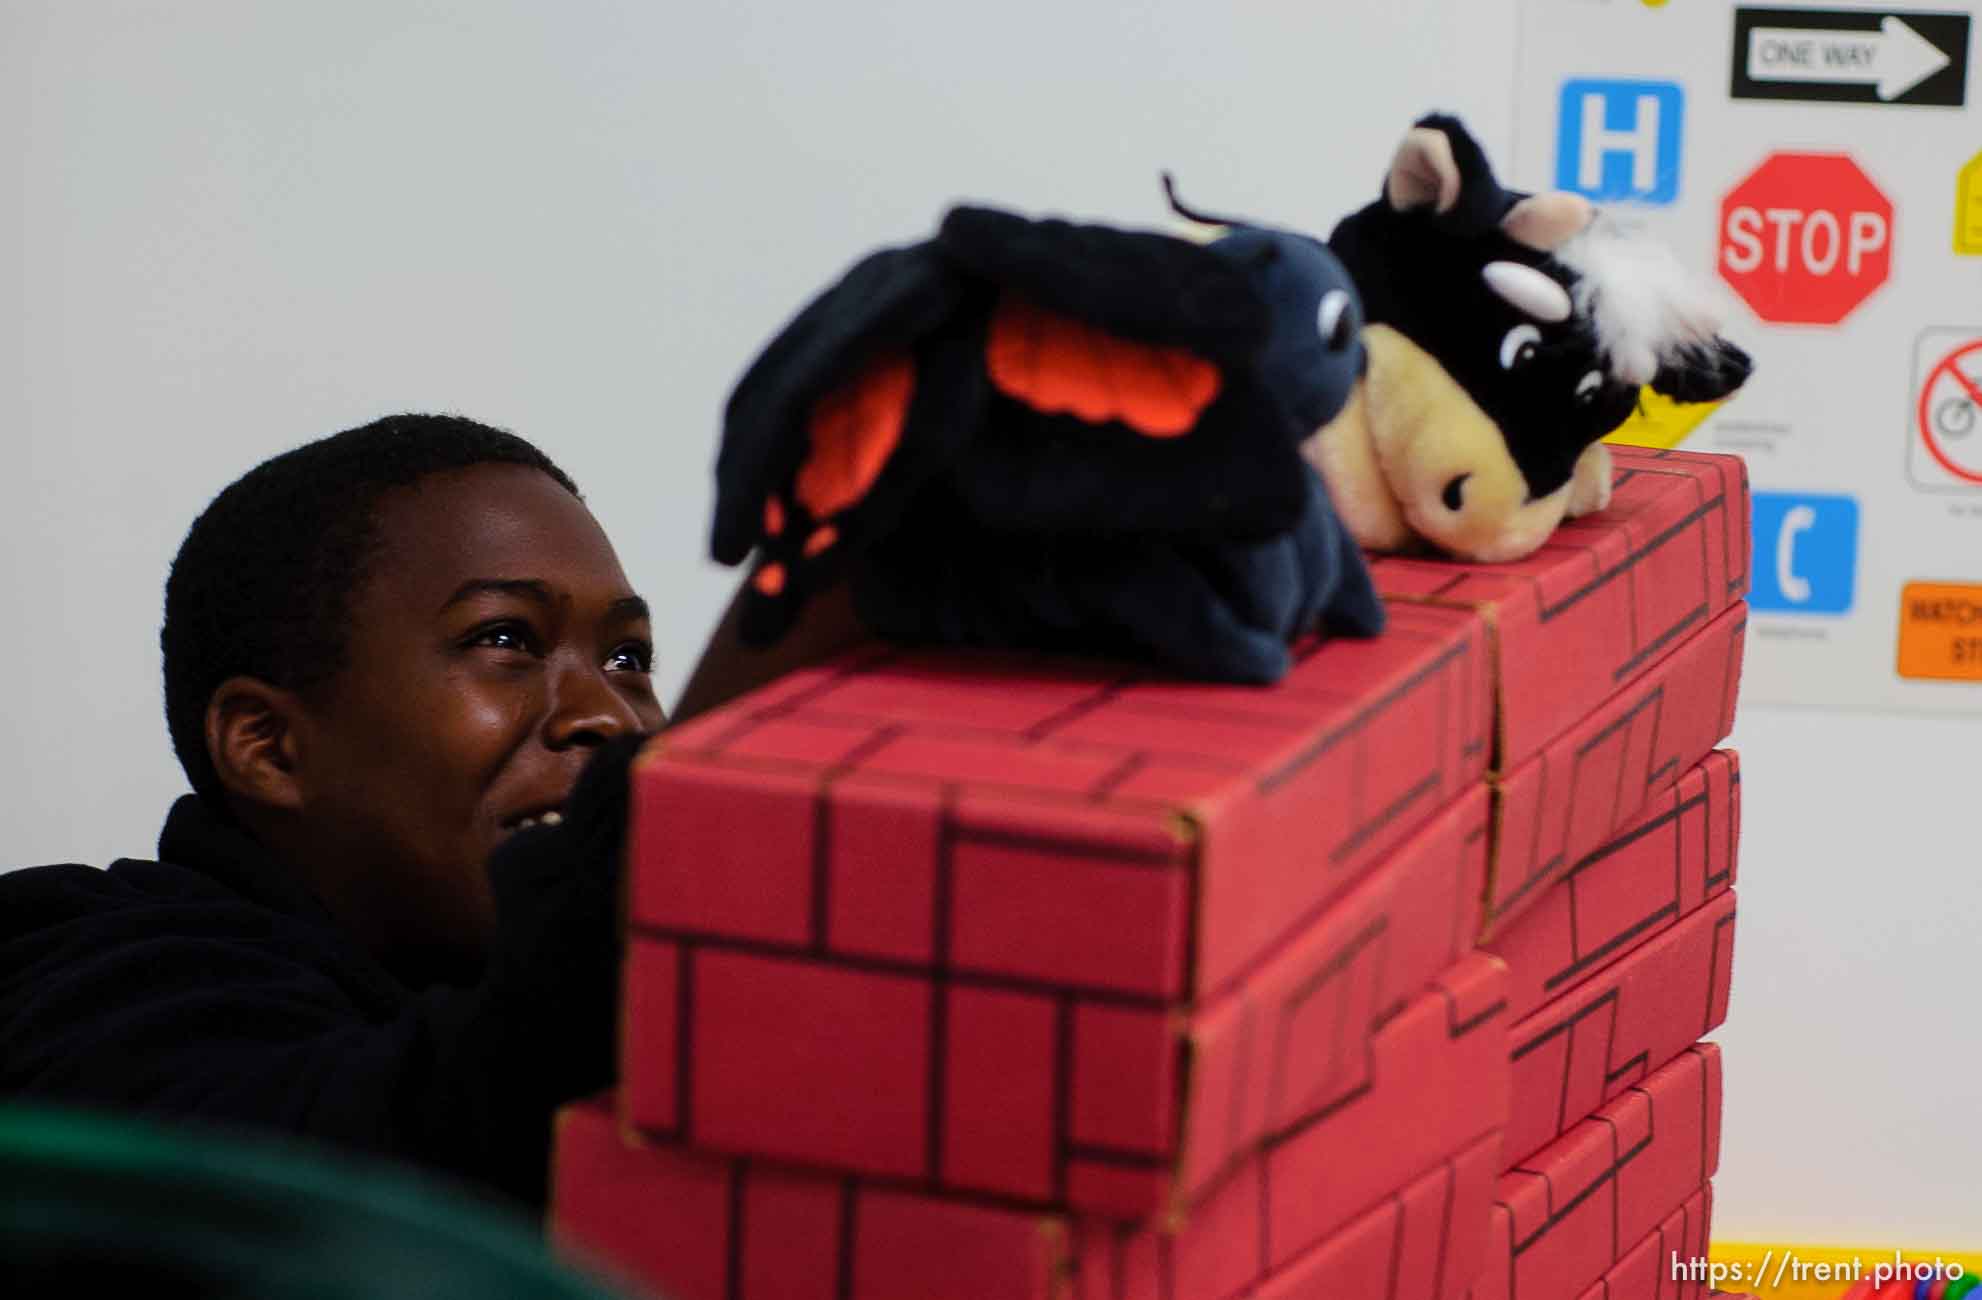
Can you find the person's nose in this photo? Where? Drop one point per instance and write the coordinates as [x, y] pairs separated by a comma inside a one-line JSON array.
[[587, 709]]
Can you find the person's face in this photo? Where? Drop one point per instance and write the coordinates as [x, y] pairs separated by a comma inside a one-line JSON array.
[[494, 644]]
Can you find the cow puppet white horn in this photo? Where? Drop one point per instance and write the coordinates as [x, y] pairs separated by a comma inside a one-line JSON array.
[[1529, 291], [1422, 171]]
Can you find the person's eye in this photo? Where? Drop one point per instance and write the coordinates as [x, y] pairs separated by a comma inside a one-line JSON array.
[[632, 657], [507, 635]]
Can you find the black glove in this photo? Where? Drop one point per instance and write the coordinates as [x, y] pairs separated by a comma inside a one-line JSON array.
[[559, 928]]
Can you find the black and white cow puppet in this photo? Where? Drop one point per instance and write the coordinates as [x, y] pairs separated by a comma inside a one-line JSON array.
[[1507, 334]]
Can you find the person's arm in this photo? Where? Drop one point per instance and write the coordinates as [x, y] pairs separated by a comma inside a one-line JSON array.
[[191, 1004], [728, 668]]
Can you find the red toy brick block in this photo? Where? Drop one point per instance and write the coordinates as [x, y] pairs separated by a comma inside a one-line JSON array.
[[1568, 1213], [1606, 597], [1293, 1039], [1434, 1085], [1000, 1090], [1110, 1103], [812, 1063], [1596, 1040], [1416, 1244], [1123, 1109], [697, 1227], [1676, 856], [1067, 824], [603, 1208], [1589, 783], [867, 914], [1647, 1271]]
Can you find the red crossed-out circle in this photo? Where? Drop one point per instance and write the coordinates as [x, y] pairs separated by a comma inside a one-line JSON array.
[[1805, 238], [1949, 365]]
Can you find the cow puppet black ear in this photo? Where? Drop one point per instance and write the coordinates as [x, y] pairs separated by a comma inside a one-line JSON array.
[[1441, 168], [1706, 373]]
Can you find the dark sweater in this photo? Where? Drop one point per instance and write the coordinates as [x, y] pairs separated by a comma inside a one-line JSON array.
[[211, 985]]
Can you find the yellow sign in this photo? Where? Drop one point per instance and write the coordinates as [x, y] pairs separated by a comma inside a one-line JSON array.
[[1940, 631], [1661, 422], [1826, 1272], [1968, 209]]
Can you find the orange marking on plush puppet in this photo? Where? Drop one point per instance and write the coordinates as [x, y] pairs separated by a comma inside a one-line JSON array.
[[770, 579], [820, 539], [854, 429], [1056, 364]]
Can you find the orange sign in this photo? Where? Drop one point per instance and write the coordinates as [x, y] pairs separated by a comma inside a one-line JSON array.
[[1940, 631]]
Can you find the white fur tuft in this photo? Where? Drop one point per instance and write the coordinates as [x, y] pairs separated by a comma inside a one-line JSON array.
[[1646, 308]]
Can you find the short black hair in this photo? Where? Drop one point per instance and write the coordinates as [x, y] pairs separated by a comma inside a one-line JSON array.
[[262, 585]]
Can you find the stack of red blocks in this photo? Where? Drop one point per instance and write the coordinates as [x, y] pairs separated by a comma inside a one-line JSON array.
[[986, 976]]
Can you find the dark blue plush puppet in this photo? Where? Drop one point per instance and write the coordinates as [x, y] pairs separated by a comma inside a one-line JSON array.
[[1508, 333], [1045, 434]]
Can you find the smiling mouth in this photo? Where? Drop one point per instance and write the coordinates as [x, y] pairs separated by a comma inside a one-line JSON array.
[[528, 821]]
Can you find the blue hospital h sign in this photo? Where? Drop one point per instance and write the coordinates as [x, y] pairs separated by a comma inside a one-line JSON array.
[[1620, 140]]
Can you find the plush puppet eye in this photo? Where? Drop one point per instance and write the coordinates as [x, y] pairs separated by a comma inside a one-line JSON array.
[[1519, 347], [1334, 321], [1588, 387]]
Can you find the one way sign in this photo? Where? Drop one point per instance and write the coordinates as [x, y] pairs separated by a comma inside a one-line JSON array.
[[1853, 56]]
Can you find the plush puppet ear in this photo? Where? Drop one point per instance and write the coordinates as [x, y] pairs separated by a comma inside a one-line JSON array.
[[1141, 285], [1704, 373], [881, 308], [1545, 222], [1423, 172]]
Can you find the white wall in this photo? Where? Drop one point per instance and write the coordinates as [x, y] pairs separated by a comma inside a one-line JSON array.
[[242, 225]]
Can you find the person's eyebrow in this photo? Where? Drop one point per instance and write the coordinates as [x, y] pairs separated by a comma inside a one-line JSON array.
[[629, 607], [527, 588]]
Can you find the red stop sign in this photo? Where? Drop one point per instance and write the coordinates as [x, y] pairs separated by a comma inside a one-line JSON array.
[[1805, 238]]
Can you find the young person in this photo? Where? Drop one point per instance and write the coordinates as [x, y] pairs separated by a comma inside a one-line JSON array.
[[406, 677]]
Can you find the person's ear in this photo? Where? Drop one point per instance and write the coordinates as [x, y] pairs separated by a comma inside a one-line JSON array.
[[252, 738]]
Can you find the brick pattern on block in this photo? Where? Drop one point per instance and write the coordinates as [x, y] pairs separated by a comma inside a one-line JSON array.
[[1435, 1088], [696, 1227], [1113, 1104], [1647, 1271], [1101, 1104], [1606, 596], [1592, 1042], [1589, 783], [1678, 855], [1033, 820], [1567, 1214], [1418, 1243]]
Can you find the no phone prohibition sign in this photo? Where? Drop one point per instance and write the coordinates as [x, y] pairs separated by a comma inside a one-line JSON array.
[[1949, 417]]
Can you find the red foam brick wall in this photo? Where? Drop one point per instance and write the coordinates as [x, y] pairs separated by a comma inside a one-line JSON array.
[[1587, 784], [1417, 1244], [1112, 1108], [1001, 817], [698, 1228], [1606, 596], [1570, 1212], [1594, 1041], [1647, 1273], [1676, 856], [1293, 1040], [1399, 1169]]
